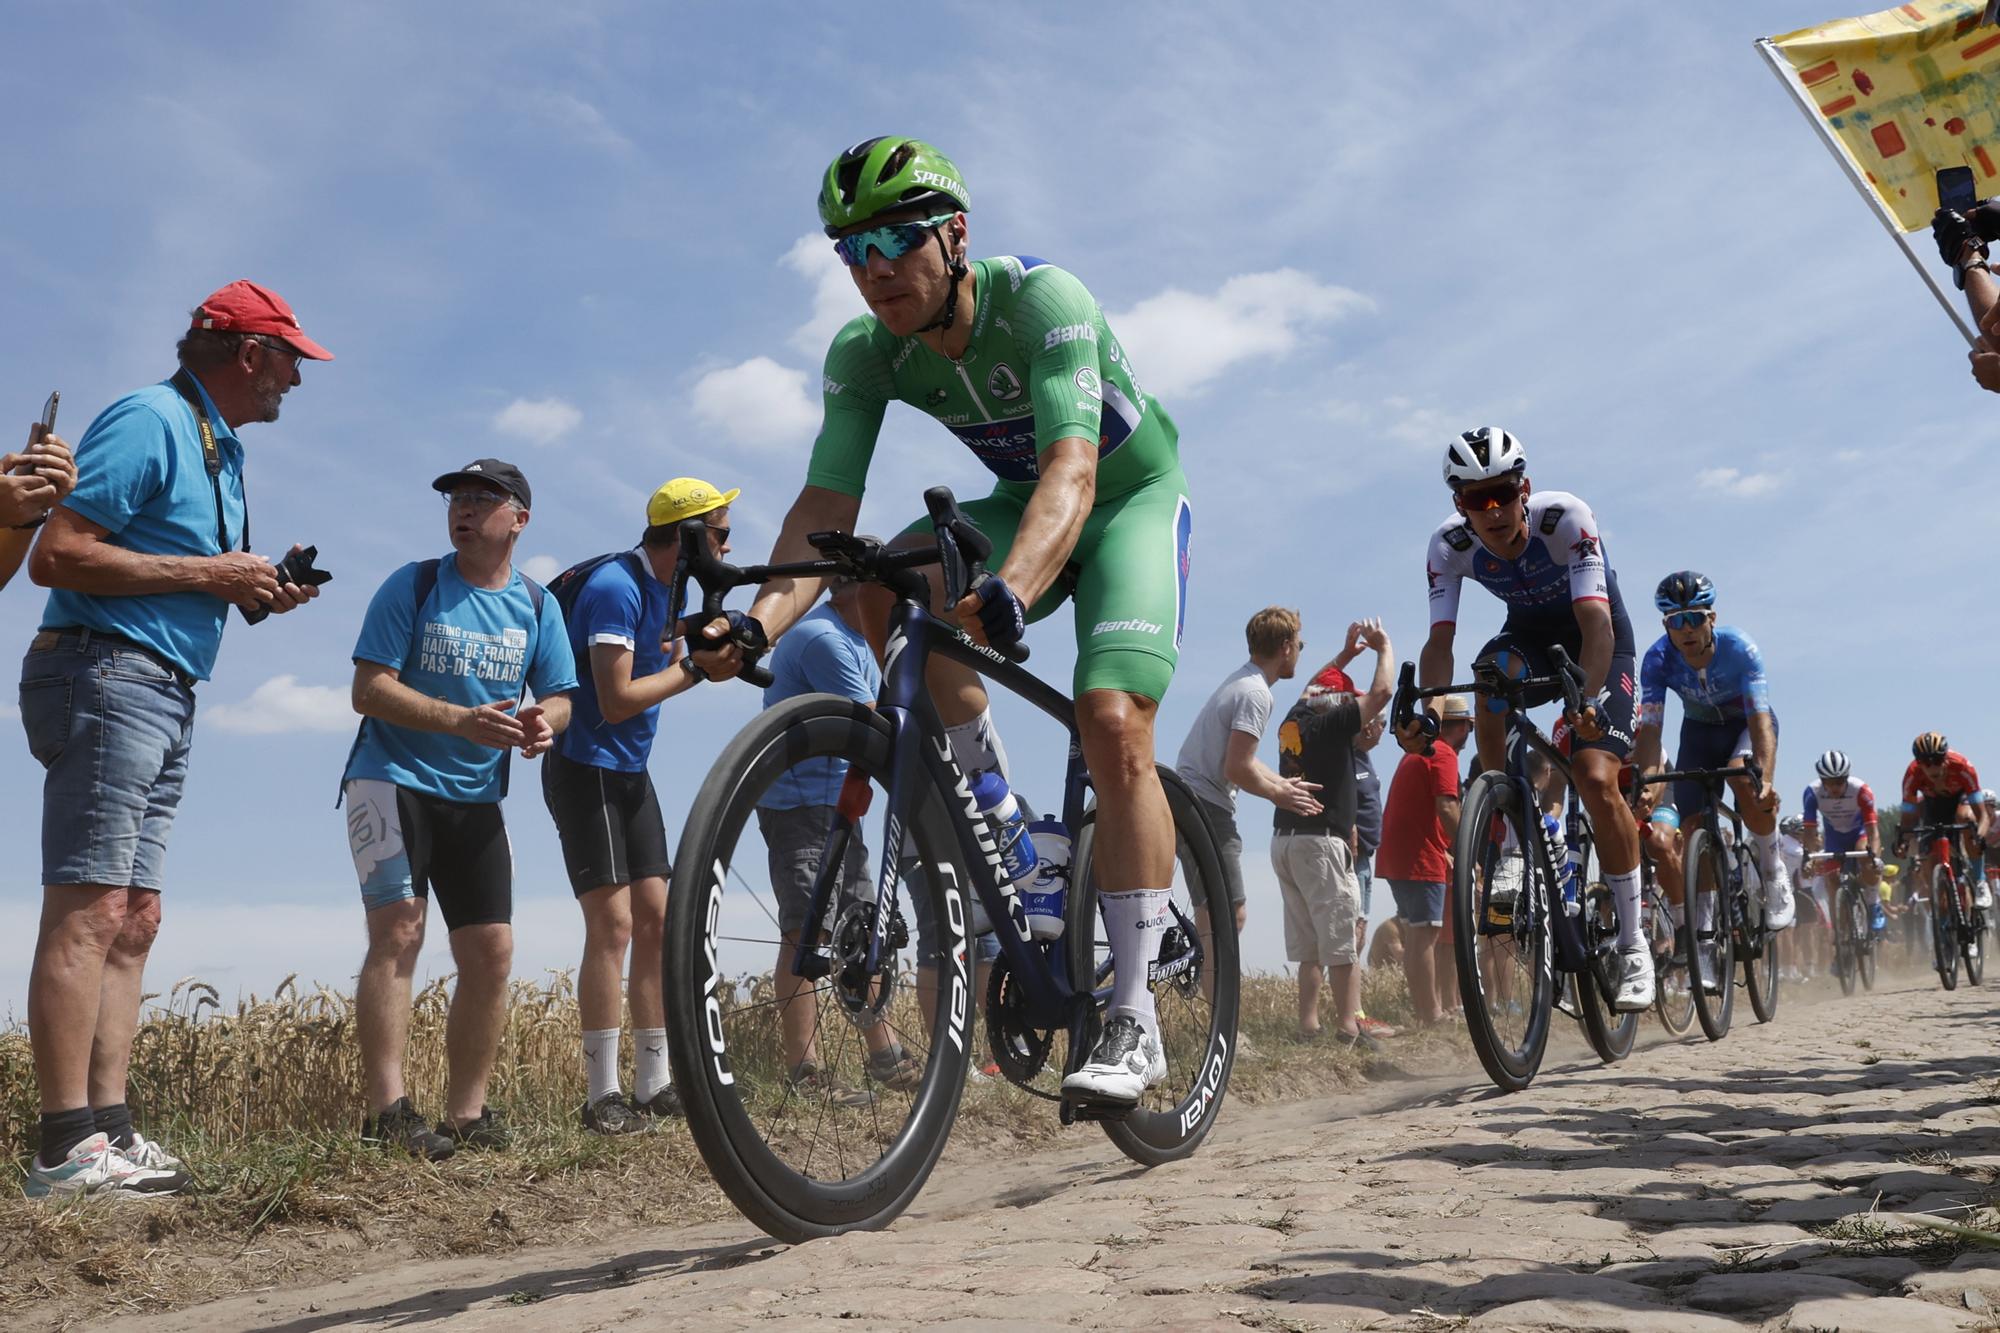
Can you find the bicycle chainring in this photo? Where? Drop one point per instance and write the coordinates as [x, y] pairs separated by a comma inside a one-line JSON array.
[[1021, 1051]]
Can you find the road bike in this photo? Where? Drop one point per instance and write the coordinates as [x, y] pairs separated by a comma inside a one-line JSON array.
[[1957, 925], [1854, 942], [1522, 910], [1723, 907], [1673, 997], [842, 1145]]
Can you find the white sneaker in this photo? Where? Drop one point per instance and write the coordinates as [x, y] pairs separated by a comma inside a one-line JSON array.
[[1711, 978], [1127, 1060], [1779, 909], [95, 1167], [151, 1155], [1635, 981], [1982, 895]]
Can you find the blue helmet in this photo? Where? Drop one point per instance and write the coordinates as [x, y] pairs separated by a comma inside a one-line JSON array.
[[1684, 590]]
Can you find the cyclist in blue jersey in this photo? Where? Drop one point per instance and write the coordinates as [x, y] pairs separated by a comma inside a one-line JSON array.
[[1725, 716], [1542, 554]]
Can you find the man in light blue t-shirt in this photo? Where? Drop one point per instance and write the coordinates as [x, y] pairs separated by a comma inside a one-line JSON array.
[[595, 782], [447, 654]]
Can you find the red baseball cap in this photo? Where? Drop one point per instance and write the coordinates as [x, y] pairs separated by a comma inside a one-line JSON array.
[[244, 307], [1333, 678]]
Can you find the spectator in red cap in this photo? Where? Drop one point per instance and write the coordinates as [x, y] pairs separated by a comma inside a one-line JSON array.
[[145, 558], [1313, 852]]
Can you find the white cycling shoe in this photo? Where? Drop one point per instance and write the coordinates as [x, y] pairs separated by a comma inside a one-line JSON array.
[[1779, 907], [1635, 980], [1126, 1061]]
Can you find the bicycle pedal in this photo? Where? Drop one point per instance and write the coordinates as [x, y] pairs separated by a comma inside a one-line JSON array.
[[1097, 1112]]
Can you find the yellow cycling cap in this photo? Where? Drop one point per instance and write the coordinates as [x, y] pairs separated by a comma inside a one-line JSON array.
[[686, 497]]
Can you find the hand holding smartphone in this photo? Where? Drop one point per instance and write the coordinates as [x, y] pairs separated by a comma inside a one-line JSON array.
[[38, 430]]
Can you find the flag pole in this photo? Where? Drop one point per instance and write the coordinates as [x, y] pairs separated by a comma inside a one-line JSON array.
[[1782, 68]]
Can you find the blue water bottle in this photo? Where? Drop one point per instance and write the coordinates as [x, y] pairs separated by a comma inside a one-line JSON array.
[[1572, 897], [1010, 836]]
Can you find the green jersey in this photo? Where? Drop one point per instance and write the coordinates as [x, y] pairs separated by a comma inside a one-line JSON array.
[[1042, 366]]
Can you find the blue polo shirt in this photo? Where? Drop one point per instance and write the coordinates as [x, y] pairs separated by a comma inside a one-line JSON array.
[[467, 646], [819, 655], [623, 604], [141, 476]]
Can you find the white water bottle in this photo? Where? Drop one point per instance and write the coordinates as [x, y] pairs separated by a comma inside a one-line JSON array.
[[1010, 836], [1045, 899]]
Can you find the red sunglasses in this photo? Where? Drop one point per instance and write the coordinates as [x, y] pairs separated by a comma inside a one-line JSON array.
[[1481, 499]]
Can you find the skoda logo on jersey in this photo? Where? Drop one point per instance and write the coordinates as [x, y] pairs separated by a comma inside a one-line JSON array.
[[936, 397], [1086, 380], [1003, 384]]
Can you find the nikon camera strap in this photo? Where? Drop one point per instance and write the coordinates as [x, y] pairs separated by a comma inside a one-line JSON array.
[[211, 458]]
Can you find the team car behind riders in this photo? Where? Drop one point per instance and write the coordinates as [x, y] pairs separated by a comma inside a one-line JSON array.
[[1013, 356], [1941, 787], [1543, 555], [1839, 817], [1726, 716]]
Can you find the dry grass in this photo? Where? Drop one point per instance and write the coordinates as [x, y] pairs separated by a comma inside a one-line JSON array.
[[264, 1102]]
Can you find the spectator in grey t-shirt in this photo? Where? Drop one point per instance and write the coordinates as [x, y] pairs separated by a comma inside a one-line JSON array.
[[1220, 752]]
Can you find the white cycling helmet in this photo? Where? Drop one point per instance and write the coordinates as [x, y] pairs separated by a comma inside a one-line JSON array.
[[1832, 764], [1482, 455], [1792, 825]]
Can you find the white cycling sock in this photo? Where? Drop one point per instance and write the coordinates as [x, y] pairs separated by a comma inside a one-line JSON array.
[[976, 746], [1625, 896], [650, 1070], [600, 1061], [1766, 847], [1135, 922]]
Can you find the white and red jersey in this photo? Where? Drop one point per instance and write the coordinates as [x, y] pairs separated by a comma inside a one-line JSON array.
[[1563, 563], [1848, 812]]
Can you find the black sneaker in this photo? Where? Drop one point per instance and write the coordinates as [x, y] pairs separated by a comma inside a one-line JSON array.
[[613, 1113], [896, 1069], [401, 1127], [485, 1131], [663, 1105]]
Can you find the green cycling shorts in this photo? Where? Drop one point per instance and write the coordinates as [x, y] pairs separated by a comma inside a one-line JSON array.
[[1127, 579]]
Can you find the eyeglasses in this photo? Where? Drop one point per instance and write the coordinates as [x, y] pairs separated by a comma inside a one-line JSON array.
[[1686, 619], [275, 345], [892, 241], [718, 532], [477, 497], [1483, 499]]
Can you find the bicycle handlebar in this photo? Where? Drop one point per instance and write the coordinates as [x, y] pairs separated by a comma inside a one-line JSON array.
[[1747, 769], [1488, 680]]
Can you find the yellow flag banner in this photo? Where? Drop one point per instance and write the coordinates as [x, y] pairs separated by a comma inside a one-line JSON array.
[[1906, 91]]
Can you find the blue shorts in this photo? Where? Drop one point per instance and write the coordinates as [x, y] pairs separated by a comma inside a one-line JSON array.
[[1419, 903], [1364, 873], [1708, 745], [112, 725], [1837, 841]]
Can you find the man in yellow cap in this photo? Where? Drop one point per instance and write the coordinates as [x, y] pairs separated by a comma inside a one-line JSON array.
[[614, 838]]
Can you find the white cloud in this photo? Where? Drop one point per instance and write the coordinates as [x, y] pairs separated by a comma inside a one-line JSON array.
[[834, 299], [581, 120], [537, 420], [283, 705], [1738, 484], [757, 403], [9, 711], [1181, 340], [542, 568]]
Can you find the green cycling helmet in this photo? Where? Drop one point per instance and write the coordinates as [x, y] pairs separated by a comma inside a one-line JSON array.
[[881, 174]]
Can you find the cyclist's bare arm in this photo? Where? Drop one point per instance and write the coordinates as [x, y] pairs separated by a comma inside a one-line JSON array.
[[1053, 521], [1764, 750], [783, 601], [1646, 749], [1435, 662], [1594, 619]]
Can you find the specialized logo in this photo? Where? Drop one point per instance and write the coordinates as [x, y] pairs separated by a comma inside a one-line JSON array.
[[832, 386], [1125, 626], [939, 182], [1069, 333], [982, 828], [1086, 380], [1003, 383]]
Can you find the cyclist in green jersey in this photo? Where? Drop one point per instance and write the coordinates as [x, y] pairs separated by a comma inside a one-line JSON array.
[[1014, 357]]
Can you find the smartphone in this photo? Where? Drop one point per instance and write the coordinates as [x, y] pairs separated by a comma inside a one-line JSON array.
[[1956, 189], [41, 428]]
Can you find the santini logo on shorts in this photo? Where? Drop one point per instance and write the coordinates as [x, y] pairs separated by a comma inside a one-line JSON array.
[[1117, 626]]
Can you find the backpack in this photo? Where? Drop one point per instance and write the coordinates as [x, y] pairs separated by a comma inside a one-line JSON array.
[[567, 586], [424, 585]]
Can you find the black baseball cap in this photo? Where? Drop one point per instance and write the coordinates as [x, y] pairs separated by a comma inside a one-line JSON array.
[[504, 475]]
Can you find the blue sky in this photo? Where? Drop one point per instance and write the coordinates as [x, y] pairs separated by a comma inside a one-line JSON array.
[[582, 237]]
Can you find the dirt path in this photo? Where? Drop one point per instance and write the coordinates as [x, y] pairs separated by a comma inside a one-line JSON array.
[[1690, 1188]]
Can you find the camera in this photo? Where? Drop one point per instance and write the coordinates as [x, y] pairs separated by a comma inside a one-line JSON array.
[[297, 568]]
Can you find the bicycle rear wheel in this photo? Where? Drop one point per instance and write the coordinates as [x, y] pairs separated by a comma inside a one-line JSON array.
[[1760, 970], [1850, 928], [1196, 984], [1711, 944], [1500, 906], [1971, 942], [1611, 1033], [1671, 997], [1944, 926], [1869, 947], [801, 1107]]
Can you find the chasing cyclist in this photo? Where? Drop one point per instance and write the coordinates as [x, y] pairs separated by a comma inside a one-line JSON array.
[[1543, 556], [1013, 356], [1941, 787], [1725, 716], [1839, 816]]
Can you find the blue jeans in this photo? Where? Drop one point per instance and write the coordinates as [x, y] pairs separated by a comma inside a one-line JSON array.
[[112, 726]]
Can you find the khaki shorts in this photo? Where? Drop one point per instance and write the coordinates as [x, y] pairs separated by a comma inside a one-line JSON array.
[[1322, 896]]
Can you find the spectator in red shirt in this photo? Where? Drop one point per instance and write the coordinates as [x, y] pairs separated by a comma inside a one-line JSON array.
[[1419, 821]]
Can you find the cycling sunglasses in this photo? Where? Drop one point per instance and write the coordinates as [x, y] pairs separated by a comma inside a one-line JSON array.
[[1686, 619], [891, 242], [1483, 499]]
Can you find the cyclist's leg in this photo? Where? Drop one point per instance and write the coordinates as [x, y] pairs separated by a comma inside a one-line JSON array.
[[1761, 832], [1595, 766]]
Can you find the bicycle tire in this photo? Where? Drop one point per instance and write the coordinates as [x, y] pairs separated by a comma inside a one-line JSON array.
[[786, 1202], [1609, 1032], [1971, 947], [1671, 998], [1869, 947], [1850, 922], [1520, 955], [1944, 923], [1760, 972], [1155, 1134], [1711, 952]]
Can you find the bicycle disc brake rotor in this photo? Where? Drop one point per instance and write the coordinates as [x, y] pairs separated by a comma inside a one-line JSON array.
[[863, 994], [1020, 1050], [1181, 959]]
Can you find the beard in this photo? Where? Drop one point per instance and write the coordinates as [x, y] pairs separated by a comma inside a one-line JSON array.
[[270, 396]]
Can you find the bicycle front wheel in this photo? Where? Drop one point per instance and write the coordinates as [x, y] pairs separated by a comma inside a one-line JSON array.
[[1500, 912], [1972, 943], [1944, 926], [1672, 999], [1760, 963], [820, 1103], [1850, 928], [1711, 944], [1196, 984], [1611, 1033]]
